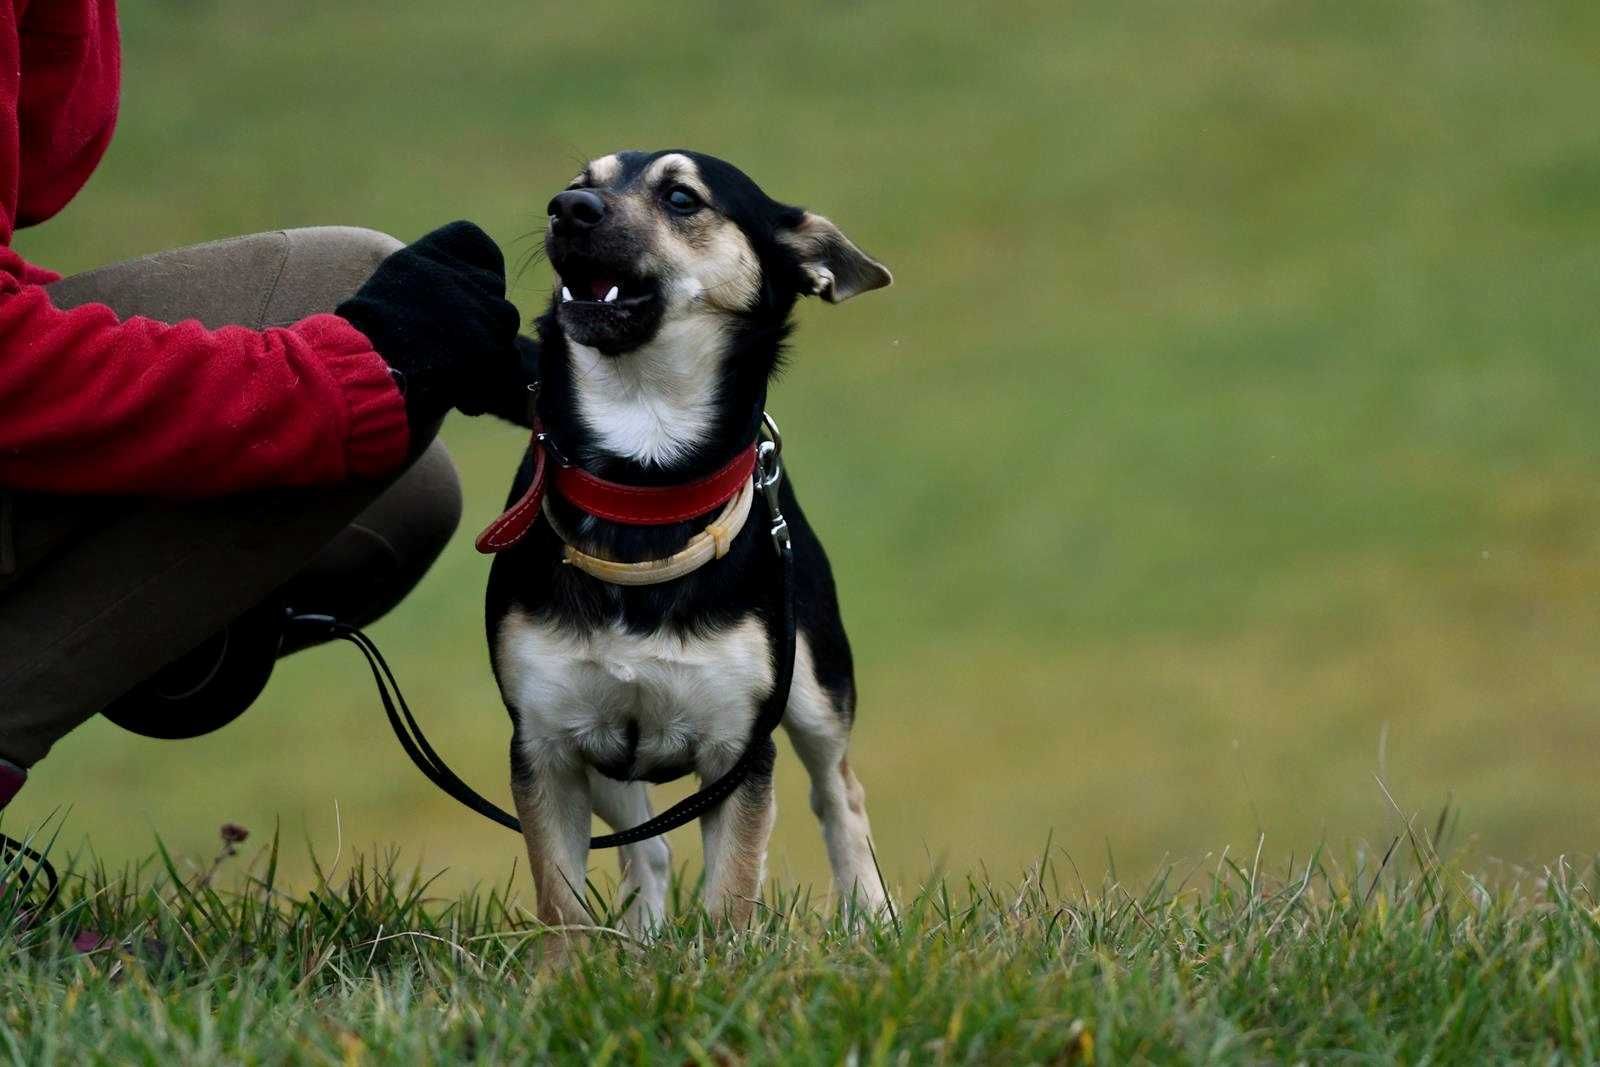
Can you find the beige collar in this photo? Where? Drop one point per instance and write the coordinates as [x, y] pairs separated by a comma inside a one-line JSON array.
[[709, 544]]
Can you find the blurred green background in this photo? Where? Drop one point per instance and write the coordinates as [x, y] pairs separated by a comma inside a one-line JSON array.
[[1227, 437]]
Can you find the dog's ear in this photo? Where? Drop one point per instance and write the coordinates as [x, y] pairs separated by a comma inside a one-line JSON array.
[[830, 261]]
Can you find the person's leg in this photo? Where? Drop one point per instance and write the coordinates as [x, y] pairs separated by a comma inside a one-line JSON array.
[[105, 593], [263, 279], [375, 561]]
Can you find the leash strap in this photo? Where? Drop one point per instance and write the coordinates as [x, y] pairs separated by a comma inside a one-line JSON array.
[[405, 726], [782, 628], [25, 853]]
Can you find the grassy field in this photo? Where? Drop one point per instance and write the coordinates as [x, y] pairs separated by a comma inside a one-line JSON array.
[[1227, 437], [1388, 958]]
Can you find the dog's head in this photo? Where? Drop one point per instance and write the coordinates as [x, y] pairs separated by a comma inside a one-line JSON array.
[[644, 241]]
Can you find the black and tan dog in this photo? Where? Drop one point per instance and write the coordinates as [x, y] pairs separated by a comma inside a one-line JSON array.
[[677, 276]]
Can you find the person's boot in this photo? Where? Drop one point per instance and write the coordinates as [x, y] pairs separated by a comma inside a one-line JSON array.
[[209, 687]]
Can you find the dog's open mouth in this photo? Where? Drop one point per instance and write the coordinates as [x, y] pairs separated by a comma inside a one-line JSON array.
[[606, 309], [605, 289]]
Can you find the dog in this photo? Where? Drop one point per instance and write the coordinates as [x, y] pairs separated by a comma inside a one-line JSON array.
[[677, 279]]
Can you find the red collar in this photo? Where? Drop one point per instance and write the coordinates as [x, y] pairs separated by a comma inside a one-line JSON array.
[[630, 504]]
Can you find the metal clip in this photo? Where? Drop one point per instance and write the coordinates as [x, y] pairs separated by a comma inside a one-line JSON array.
[[550, 446], [769, 478], [769, 426]]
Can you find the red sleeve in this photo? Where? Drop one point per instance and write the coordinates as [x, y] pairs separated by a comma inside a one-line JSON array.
[[93, 404]]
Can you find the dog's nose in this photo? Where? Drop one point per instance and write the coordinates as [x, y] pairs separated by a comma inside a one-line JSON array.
[[577, 208]]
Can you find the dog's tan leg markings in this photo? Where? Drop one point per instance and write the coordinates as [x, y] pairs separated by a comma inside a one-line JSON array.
[[735, 843], [855, 797], [646, 866], [821, 738], [554, 809]]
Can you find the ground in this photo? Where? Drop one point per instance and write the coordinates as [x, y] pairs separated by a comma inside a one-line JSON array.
[[1399, 956]]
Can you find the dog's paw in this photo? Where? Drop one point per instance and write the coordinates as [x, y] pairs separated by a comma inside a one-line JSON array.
[[866, 906]]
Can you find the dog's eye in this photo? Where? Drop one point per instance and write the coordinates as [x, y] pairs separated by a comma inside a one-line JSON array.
[[681, 199]]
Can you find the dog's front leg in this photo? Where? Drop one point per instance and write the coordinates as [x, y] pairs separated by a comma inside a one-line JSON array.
[[647, 864], [553, 805], [735, 839]]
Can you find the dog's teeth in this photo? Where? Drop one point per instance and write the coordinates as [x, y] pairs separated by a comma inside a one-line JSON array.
[[612, 295], [566, 295]]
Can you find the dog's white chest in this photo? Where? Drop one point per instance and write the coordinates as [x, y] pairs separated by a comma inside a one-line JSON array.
[[612, 698]]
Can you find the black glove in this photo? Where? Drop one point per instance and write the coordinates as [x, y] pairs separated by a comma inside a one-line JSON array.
[[437, 312]]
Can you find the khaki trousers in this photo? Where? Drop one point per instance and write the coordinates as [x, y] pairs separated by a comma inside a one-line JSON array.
[[98, 594]]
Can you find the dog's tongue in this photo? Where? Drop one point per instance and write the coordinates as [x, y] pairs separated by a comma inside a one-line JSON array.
[[600, 287]]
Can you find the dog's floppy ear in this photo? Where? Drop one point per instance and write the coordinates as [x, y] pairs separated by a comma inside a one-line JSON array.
[[830, 261]]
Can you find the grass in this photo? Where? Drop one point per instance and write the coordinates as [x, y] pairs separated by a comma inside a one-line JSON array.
[[1390, 956]]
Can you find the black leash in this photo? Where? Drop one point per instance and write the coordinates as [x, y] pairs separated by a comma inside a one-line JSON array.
[[781, 629], [10, 846]]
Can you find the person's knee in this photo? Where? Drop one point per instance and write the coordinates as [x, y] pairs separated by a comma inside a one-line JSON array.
[[324, 266], [364, 248]]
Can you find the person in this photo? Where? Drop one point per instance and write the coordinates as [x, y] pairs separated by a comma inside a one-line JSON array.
[[198, 441]]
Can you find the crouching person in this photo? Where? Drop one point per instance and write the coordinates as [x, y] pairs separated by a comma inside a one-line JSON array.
[[197, 441], [194, 442]]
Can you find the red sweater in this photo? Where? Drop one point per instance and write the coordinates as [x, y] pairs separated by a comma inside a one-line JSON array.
[[90, 403]]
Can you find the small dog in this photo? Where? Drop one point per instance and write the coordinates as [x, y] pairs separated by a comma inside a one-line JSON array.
[[677, 276]]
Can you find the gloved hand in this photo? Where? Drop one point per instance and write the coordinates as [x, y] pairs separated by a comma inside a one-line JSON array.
[[436, 311]]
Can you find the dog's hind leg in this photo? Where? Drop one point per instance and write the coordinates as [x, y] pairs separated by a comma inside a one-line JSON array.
[[646, 865], [735, 839], [818, 724], [554, 808]]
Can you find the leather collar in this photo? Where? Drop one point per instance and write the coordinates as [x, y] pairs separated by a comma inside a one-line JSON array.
[[632, 505]]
